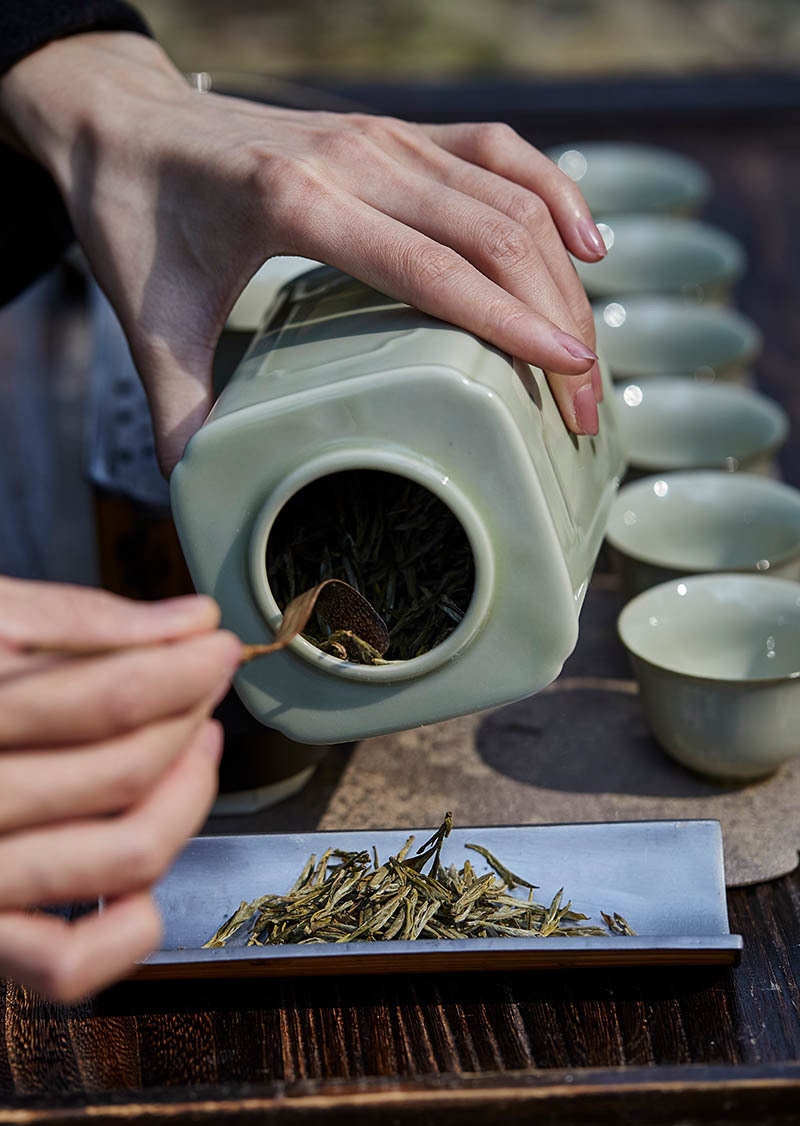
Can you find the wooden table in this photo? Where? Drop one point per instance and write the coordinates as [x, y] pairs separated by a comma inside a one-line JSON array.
[[661, 1046], [653, 1046]]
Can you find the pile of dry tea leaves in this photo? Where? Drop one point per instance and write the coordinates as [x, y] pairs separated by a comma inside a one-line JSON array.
[[390, 539], [352, 896]]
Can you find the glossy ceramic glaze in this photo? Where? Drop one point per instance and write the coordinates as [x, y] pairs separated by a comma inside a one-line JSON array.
[[717, 658], [616, 176], [252, 307], [641, 335], [664, 254], [257, 297], [670, 424], [343, 378], [678, 524]]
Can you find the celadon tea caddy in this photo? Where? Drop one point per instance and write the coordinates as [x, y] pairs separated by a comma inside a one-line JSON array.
[[347, 392]]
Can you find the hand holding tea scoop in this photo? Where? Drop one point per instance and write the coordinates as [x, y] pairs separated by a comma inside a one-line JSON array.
[[108, 763], [355, 631]]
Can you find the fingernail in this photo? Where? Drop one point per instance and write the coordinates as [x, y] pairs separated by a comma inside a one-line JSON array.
[[574, 347], [597, 383], [187, 607], [210, 739], [591, 237], [585, 407], [234, 656], [223, 688]]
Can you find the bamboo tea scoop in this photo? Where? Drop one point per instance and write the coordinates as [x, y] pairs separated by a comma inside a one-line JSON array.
[[351, 621]]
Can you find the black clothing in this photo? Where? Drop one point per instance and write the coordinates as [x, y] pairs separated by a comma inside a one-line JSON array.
[[26, 25], [34, 226]]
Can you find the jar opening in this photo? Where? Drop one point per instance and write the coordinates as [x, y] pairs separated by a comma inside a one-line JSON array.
[[397, 543]]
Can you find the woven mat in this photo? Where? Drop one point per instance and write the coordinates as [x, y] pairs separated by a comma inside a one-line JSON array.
[[579, 751]]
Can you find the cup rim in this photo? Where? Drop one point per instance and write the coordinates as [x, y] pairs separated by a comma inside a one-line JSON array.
[[757, 482], [636, 605], [753, 402]]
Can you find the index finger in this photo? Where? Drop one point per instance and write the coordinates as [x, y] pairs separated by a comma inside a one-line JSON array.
[[87, 699], [500, 149], [53, 615], [438, 280]]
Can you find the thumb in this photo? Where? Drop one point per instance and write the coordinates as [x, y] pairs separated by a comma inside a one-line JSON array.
[[51, 615]]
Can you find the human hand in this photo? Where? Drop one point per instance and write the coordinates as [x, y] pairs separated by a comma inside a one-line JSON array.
[[108, 762], [178, 198]]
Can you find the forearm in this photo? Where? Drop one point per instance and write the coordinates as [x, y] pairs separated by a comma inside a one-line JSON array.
[[27, 25]]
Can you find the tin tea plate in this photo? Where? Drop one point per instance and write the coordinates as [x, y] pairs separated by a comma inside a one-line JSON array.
[[665, 877]]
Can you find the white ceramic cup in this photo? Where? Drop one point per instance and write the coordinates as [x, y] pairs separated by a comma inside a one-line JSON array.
[[670, 424], [642, 335], [677, 524], [717, 658]]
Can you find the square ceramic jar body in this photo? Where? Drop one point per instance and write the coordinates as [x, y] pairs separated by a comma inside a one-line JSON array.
[[346, 383]]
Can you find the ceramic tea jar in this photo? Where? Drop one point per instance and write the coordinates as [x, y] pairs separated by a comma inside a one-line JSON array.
[[361, 434]]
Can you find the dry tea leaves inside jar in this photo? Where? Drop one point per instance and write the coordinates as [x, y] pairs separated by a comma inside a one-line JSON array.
[[394, 542]]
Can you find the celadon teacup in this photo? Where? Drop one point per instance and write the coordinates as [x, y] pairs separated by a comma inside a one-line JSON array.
[[664, 254], [671, 423], [621, 176], [717, 658], [677, 524], [644, 335]]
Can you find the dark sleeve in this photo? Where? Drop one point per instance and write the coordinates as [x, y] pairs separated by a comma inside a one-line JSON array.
[[34, 226], [26, 25]]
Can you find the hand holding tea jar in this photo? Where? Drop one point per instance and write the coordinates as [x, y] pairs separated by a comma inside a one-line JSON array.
[[178, 197], [108, 762]]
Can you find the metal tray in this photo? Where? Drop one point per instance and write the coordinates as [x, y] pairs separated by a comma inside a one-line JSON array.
[[665, 877]]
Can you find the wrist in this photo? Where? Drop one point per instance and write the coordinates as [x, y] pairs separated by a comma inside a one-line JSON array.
[[71, 95]]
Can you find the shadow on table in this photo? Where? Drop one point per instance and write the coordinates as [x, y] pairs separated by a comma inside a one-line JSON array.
[[586, 740], [587, 733], [298, 814]]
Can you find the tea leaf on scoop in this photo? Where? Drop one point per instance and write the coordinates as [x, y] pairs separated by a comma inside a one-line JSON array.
[[348, 646], [352, 896]]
